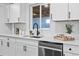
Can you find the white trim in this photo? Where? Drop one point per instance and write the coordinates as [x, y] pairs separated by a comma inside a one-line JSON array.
[[38, 4], [40, 15]]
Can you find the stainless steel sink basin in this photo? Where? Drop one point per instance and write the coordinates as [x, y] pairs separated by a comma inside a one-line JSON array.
[[32, 36], [36, 36]]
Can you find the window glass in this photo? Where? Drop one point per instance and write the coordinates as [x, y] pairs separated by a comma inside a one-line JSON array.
[[36, 15], [41, 15], [45, 16]]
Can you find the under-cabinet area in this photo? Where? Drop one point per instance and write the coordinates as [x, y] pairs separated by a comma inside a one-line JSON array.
[[39, 29]]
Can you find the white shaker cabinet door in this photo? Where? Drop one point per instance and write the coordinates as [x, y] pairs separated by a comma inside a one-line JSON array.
[[25, 49], [59, 11], [1, 47], [20, 49], [74, 11], [9, 48], [7, 11], [15, 10], [31, 50]]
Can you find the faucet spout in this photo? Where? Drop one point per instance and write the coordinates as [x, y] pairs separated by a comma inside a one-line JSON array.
[[35, 24]]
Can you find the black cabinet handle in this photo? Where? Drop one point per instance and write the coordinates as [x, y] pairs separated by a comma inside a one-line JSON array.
[[70, 49], [8, 19], [18, 19], [8, 39], [25, 48], [51, 16], [8, 44], [69, 15], [1, 42], [63, 54]]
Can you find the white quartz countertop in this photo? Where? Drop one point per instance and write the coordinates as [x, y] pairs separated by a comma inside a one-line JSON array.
[[50, 39]]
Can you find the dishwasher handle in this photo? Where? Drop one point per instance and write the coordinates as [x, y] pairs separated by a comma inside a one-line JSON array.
[[50, 48]]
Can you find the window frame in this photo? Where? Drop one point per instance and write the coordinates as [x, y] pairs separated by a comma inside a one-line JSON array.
[[31, 14]]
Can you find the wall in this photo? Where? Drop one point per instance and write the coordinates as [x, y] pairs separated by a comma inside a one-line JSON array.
[[21, 27], [24, 16], [60, 27], [4, 28]]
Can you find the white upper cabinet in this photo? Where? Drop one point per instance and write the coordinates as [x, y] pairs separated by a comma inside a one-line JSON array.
[[7, 11], [59, 11], [13, 13], [65, 11], [74, 11], [14, 10]]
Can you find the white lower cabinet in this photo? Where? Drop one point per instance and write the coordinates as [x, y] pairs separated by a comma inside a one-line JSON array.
[[31, 51], [1, 47], [18, 47], [9, 47], [24, 49], [71, 50]]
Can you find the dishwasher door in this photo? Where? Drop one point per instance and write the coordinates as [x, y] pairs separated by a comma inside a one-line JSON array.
[[48, 49]]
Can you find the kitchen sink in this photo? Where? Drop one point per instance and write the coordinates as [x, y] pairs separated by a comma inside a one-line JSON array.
[[36, 36], [32, 36]]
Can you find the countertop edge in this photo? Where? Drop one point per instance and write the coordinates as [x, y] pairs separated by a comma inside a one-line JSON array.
[[50, 39]]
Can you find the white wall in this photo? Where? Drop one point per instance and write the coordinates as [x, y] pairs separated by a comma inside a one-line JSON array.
[[24, 16], [60, 27], [4, 28]]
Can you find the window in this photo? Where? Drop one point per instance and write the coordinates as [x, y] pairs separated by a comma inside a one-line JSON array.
[[45, 16], [36, 15], [41, 15]]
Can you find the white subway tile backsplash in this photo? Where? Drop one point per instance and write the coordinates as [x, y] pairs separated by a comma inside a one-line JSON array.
[[60, 27]]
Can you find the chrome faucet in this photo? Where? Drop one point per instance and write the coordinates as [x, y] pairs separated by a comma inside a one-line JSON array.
[[36, 27]]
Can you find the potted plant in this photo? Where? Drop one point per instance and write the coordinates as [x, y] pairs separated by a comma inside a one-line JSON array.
[[68, 28]]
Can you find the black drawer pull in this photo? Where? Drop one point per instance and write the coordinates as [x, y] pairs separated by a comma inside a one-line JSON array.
[[25, 48], [70, 49], [1, 42], [8, 44]]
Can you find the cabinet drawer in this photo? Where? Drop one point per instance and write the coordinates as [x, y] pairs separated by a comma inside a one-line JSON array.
[[31, 51], [32, 42], [71, 49], [28, 41]]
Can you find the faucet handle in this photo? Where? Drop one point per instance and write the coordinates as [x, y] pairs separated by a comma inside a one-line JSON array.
[[38, 33]]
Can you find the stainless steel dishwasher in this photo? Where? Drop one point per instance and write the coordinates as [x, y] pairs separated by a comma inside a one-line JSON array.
[[50, 49]]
